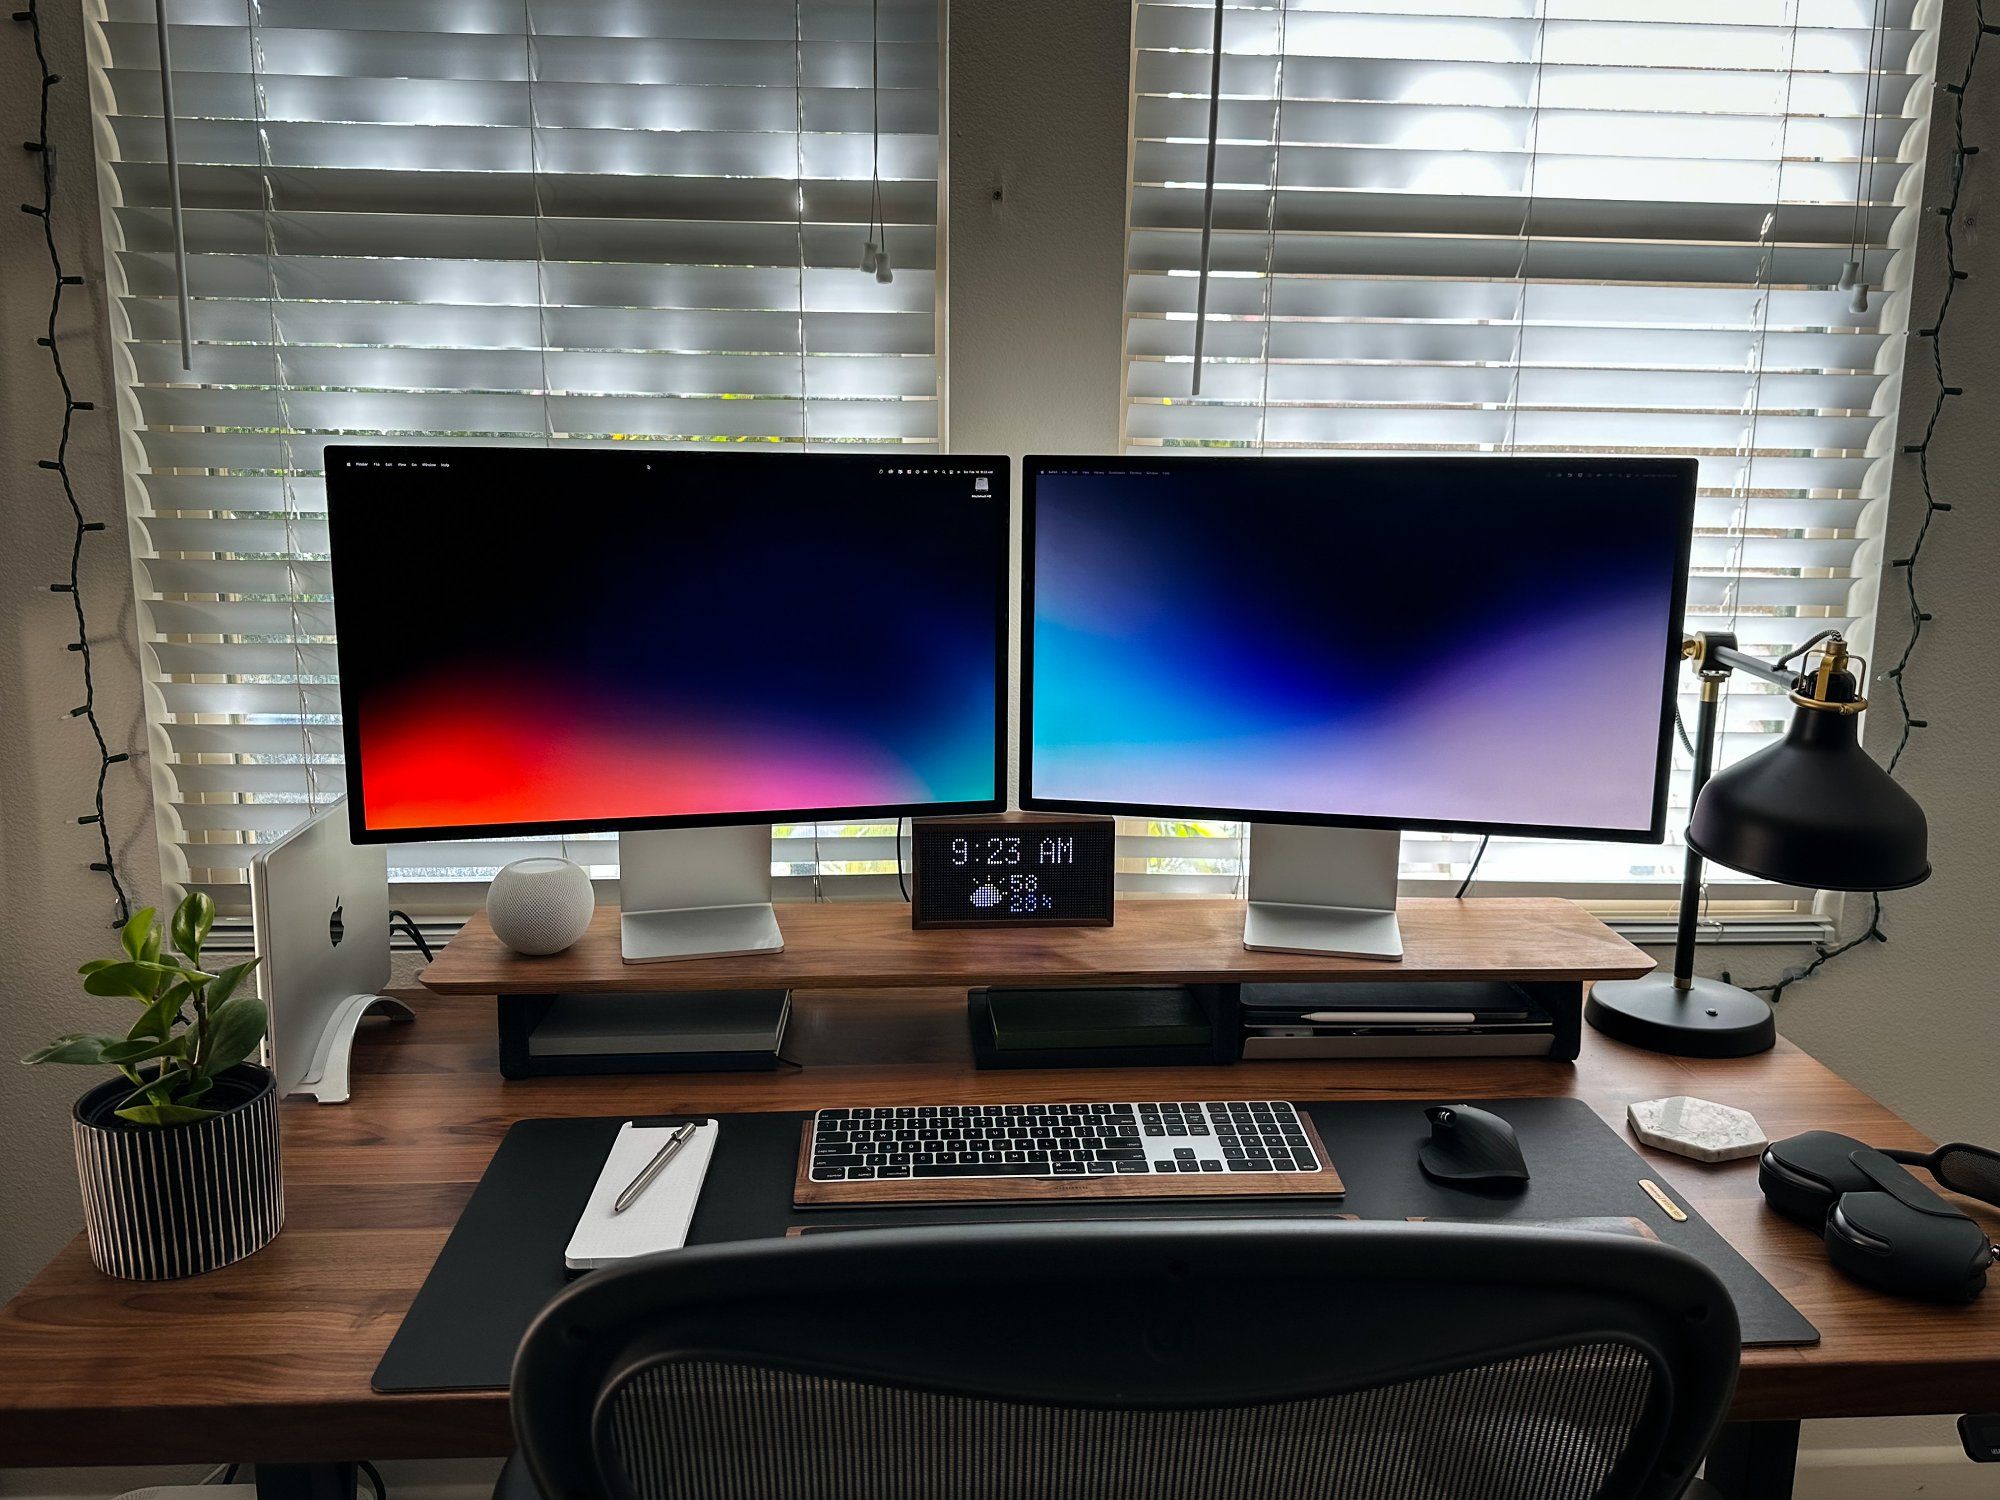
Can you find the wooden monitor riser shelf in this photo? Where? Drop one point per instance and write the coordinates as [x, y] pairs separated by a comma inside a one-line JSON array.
[[1551, 948]]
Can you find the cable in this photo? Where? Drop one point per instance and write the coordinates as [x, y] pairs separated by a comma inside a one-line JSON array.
[[374, 1479], [403, 920], [1933, 507], [902, 881], [1822, 954], [1473, 868], [44, 148]]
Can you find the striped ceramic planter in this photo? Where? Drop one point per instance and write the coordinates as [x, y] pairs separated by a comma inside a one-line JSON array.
[[177, 1200]]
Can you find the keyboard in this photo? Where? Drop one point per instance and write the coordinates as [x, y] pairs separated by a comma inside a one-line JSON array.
[[959, 1152]]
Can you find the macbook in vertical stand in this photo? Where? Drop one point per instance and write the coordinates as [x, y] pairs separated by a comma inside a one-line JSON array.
[[320, 908]]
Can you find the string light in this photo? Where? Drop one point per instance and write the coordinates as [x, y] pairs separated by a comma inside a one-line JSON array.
[[44, 149], [1933, 507]]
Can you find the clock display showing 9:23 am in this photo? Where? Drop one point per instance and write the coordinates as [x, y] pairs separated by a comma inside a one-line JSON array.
[[1008, 870]]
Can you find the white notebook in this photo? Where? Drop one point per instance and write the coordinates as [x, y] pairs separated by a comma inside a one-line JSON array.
[[659, 1220]]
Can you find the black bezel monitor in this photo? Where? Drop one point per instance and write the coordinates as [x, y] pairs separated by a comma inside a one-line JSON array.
[[911, 554], [1423, 495]]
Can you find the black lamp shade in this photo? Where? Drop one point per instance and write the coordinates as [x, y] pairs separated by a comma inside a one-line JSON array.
[[1813, 810]]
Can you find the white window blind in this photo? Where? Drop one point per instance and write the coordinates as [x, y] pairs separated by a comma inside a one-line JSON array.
[[573, 221], [1542, 226]]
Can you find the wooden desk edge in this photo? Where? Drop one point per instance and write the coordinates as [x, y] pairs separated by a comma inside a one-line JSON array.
[[82, 1399]]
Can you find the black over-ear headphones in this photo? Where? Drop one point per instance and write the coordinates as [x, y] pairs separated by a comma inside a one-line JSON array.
[[1882, 1225]]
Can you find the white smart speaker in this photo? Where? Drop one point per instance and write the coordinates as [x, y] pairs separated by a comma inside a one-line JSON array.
[[540, 906]]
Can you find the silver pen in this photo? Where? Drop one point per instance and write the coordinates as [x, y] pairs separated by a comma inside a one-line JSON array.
[[653, 1168]]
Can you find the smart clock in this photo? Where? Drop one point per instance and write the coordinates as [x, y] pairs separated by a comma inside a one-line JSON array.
[[1012, 870]]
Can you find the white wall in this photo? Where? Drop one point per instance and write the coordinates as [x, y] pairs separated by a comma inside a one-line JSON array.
[[54, 913]]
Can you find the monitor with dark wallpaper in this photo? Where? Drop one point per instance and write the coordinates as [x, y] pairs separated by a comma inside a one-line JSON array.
[[550, 639], [1487, 644]]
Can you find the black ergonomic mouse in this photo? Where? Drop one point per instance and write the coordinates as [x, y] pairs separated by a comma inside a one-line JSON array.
[[1471, 1147]]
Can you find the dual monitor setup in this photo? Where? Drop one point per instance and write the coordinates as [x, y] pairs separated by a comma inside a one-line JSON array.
[[687, 647]]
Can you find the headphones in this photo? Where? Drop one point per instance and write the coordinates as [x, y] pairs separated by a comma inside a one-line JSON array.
[[1882, 1226]]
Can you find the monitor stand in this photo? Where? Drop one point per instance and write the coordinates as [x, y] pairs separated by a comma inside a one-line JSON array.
[[696, 893], [1323, 890]]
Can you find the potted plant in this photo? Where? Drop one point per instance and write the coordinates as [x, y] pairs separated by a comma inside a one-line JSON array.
[[178, 1154]]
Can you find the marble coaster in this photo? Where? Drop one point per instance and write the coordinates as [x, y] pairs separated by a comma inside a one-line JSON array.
[[1699, 1128]]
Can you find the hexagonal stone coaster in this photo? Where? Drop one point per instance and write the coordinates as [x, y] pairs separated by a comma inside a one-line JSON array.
[[1699, 1128]]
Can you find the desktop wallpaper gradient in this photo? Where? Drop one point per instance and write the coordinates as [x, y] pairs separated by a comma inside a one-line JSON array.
[[1354, 638], [710, 635]]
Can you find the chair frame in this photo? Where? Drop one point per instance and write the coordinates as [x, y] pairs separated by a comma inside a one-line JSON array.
[[1137, 1315]]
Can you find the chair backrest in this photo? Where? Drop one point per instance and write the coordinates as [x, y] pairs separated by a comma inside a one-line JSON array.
[[1268, 1359]]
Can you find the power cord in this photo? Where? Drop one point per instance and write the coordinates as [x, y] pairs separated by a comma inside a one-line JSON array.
[[374, 1476], [1473, 868], [902, 880], [405, 921], [45, 149], [1933, 507]]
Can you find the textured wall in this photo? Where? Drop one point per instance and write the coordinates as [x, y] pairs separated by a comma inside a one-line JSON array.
[[54, 913]]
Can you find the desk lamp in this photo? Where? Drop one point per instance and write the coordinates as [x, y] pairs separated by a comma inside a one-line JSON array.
[[1811, 810]]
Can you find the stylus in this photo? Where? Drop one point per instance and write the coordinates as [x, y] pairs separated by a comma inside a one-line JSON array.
[[652, 1169]]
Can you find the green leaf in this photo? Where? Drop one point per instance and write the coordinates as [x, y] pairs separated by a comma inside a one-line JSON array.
[[142, 1049], [77, 1047], [234, 1029], [165, 1114], [138, 927], [226, 981], [192, 921], [163, 1087], [133, 979]]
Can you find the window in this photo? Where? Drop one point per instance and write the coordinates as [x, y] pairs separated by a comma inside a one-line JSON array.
[[1542, 226], [511, 220]]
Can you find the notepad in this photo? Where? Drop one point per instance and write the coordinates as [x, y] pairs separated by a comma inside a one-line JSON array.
[[659, 1220]]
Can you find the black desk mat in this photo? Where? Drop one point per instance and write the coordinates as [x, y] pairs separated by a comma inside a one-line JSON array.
[[504, 1260]]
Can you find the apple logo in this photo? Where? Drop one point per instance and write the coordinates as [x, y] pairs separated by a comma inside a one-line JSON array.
[[336, 928]]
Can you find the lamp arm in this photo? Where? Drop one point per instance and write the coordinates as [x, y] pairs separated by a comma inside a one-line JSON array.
[[1741, 661], [1714, 656]]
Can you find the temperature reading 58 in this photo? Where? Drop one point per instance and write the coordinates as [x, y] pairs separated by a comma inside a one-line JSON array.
[[1016, 895]]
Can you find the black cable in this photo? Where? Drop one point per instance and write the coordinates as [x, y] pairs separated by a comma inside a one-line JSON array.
[[1822, 954], [374, 1479], [1473, 868], [404, 920], [902, 881], [43, 147], [1933, 507], [229, 1474], [1935, 333]]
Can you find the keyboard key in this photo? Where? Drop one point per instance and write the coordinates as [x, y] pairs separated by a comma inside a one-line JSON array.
[[892, 1171], [1210, 1164]]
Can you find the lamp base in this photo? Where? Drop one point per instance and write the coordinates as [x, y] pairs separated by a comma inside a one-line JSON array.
[[1708, 1019]]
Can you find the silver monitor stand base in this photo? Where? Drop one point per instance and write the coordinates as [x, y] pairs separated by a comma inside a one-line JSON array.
[[696, 893], [1323, 890]]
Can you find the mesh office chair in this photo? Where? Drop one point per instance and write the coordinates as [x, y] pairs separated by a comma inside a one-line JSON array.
[[1266, 1359]]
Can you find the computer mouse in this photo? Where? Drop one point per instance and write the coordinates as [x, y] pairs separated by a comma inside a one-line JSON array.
[[1471, 1146]]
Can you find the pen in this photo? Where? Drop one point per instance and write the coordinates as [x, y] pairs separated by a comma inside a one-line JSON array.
[[653, 1168]]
